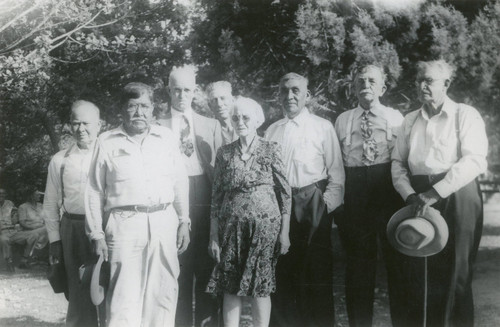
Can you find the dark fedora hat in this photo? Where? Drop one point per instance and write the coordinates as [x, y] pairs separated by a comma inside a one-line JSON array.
[[417, 236]]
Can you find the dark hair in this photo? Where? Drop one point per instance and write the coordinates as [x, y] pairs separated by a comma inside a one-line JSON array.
[[135, 90]]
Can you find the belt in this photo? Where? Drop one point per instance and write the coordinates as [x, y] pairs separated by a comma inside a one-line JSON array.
[[319, 184], [145, 209], [7, 228], [73, 216]]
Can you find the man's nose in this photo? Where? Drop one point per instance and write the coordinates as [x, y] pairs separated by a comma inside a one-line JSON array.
[[80, 128]]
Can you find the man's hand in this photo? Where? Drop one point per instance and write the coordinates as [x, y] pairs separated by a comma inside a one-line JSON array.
[[425, 200], [101, 248], [55, 252], [284, 242], [214, 249], [412, 199], [182, 237]]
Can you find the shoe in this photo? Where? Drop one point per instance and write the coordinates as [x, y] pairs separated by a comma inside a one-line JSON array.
[[10, 265]]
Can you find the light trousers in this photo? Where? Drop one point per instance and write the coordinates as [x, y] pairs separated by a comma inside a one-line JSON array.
[[143, 268]]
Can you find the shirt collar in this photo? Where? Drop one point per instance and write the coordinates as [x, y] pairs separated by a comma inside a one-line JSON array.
[[376, 111], [447, 109], [177, 114], [120, 130], [300, 118]]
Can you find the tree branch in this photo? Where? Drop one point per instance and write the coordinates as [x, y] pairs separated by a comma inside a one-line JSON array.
[[24, 13]]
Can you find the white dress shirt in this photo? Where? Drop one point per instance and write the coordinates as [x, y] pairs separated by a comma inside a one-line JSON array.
[[428, 146], [193, 162], [125, 172], [76, 168], [386, 123], [311, 153]]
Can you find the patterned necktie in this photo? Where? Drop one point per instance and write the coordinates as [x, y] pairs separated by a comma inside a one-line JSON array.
[[186, 145], [370, 151]]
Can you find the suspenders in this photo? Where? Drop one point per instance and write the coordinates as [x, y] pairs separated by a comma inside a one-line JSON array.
[[350, 122], [61, 172]]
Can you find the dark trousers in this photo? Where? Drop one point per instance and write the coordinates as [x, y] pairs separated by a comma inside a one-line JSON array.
[[77, 251], [304, 277], [196, 264], [369, 202], [449, 279]]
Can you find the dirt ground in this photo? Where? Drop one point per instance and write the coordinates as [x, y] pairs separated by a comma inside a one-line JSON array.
[[26, 299]]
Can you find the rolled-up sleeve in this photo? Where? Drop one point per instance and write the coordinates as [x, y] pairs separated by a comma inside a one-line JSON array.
[[95, 193]]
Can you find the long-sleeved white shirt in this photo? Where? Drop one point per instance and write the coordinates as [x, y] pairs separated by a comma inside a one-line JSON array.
[[427, 146], [124, 172], [76, 168], [311, 152]]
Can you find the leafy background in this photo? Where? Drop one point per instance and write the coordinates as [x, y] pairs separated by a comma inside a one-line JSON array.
[[53, 52]]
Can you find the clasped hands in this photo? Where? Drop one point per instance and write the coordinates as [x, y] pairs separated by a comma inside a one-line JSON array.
[[423, 201]]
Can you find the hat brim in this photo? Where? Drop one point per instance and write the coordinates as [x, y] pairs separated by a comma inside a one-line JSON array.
[[98, 283], [431, 215]]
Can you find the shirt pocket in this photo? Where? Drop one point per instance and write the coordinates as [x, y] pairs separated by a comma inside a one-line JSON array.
[[125, 166], [446, 149], [304, 152]]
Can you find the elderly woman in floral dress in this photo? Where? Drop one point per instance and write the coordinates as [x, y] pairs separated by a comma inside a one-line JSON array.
[[249, 219]]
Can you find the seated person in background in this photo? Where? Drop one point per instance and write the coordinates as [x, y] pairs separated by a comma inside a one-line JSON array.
[[33, 233], [7, 228]]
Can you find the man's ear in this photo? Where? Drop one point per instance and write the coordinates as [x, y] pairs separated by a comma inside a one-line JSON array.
[[308, 96], [384, 88], [447, 83]]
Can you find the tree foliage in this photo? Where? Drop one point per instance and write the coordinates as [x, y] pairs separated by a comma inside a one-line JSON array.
[[55, 51]]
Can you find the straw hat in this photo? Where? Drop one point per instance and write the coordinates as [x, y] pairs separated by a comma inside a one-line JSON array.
[[417, 236]]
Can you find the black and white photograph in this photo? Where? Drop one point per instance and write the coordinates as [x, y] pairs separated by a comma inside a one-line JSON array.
[[253, 163]]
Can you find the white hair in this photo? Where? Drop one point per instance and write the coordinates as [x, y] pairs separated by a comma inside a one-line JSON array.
[[258, 113], [222, 84], [87, 104], [445, 68], [186, 70]]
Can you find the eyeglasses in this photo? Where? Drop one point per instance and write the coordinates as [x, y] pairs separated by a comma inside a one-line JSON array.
[[143, 106], [237, 118]]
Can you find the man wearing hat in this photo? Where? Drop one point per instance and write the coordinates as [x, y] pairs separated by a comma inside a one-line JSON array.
[[367, 134], [137, 213], [64, 191], [439, 152], [33, 234]]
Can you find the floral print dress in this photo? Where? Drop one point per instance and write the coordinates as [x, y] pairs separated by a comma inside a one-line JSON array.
[[248, 200]]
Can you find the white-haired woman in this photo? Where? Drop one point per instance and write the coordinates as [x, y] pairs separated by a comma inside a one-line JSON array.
[[250, 217]]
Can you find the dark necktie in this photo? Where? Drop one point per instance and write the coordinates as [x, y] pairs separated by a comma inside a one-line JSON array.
[[370, 151], [186, 145]]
